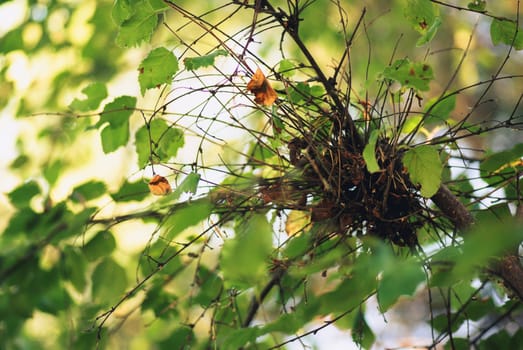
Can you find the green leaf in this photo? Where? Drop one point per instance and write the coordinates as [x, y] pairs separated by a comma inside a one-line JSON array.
[[210, 285], [438, 110], [102, 244], [430, 33], [193, 63], [122, 10], [422, 14], [87, 191], [169, 143], [53, 170], [181, 335], [477, 5], [320, 263], [75, 268], [95, 93], [52, 297], [158, 5], [411, 124], [481, 246], [301, 91], [188, 185], [157, 68], [424, 166], [165, 140], [415, 75], [138, 22], [400, 278], [114, 137], [369, 153], [244, 258], [109, 282], [361, 332], [499, 166], [239, 337], [186, 216], [21, 196], [297, 246], [117, 112], [287, 323], [131, 191], [156, 299], [286, 68], [502, 31]]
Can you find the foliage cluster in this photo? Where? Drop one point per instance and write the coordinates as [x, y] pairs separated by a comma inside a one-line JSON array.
[[370, 175]]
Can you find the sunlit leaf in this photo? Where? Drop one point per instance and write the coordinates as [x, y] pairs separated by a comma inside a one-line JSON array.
[[430, 33], [297, 221], [166, 141], [244, 258], [454, 265], [21, 196], [401, 278], [158, 5], [194, 63], [156, 299], [50, 294], [504, 32], [286, 68], [411, 124], [131, 191], [210, 285], [191, 214], [102, 244], [115, 117], [109, 281], [239, 337], [300, 92], [369, 153], [290, 323], [94, 93], [157, 68], [416, 75], [188, 185], [421, 14], [501, 165], [53, 170], [181, 335], [122, 10], [438, 110], [361, 332], [424, 166], [87, 191], [117, 112], [75, 266], [114, 137], [137, 22]]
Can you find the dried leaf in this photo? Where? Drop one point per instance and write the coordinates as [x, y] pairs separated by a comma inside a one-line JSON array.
[[263, 92], [159, 186]]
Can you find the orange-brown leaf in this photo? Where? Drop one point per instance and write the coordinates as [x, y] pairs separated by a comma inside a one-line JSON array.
[[159, 186], [263, 92]]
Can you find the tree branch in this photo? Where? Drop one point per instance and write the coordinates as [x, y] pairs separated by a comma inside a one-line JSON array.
[[258, 300], [508, 268], [453, 209]]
